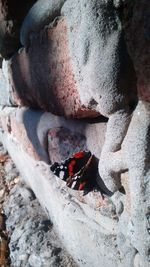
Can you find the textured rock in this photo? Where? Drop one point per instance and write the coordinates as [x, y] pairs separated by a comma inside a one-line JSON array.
[[24, 226], [136, 154], [43, 77], [33, 241], [75, 221], [10, 170], [102, 67], [134, 157]]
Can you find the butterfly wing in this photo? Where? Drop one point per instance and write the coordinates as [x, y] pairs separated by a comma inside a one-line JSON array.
[[80, 178], [71, 169], [80, 172]]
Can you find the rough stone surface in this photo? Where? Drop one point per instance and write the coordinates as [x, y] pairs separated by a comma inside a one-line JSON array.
[[137, 161], [103, 70], [10, 170], [8, 180], [134, 157], [42, 76], [33, 241], [135, 23], [24, 225], [78, 216], [75, 221]]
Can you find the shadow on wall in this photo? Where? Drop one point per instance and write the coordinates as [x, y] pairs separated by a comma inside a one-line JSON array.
[[31, 119], [12, 14]]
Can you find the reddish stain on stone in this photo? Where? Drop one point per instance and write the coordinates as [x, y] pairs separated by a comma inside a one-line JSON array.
[[42, 76]]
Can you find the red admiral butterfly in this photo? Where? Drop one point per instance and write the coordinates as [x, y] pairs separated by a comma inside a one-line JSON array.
[[78, 171]]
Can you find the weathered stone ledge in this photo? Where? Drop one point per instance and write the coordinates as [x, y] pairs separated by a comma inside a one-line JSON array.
[[77, 219]]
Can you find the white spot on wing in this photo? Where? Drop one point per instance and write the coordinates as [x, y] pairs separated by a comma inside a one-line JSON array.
[[61, 175], [73, 184]]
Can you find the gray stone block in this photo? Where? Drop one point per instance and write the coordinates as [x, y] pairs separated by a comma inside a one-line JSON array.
[[102, 66]]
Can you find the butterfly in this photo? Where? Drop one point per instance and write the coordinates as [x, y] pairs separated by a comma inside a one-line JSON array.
[[78, 171]]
